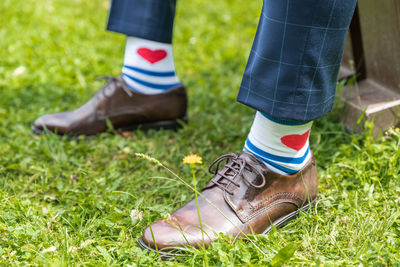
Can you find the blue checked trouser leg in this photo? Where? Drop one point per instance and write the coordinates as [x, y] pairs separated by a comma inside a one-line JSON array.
[[148, 19], [295, 59], [293, 66]]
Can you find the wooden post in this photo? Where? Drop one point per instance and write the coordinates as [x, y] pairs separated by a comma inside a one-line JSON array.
[[374, 47]]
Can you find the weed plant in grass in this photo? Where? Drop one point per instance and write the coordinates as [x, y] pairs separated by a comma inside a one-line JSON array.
[[87, 202]]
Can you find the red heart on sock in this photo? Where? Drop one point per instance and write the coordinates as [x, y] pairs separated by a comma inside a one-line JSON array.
[[295, 141], [152, 56]]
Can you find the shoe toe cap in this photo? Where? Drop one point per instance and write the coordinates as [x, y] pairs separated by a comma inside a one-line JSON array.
[[52, 122], [162, 235], [40, 123]]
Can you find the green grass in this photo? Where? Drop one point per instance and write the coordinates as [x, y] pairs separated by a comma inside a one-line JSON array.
[[76, 197]]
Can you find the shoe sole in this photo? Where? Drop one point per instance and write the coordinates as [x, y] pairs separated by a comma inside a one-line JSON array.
[[164, 255], [157, 125], [281, 222]]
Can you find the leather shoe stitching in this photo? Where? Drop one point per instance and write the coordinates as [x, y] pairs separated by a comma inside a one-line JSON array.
[[263, 210], [286, 194]]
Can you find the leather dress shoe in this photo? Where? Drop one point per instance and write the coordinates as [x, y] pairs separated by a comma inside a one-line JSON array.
[[124, 108], [243, 198]]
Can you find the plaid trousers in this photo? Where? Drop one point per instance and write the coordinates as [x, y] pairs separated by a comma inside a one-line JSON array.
[[294, 62]]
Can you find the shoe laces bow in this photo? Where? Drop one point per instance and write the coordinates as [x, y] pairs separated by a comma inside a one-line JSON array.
[[233, 169], [112, 84]]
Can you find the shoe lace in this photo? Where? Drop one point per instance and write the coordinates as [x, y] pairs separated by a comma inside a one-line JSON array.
[[233, 169], [111, 84]]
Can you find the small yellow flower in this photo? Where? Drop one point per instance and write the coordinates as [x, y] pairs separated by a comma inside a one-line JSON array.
[[192, 159], [397, 130]]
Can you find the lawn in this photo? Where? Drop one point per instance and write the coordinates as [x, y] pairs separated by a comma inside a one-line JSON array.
[[87, 202]]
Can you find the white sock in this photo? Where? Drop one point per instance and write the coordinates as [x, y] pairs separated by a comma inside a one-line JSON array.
[[282, 145], [149, 66]]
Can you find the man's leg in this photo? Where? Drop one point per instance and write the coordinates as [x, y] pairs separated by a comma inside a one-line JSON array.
[[290, 80], [148, 77], [148, 62]]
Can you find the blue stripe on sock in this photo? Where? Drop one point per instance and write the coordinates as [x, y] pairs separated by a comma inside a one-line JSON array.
[[153, 85], [285, 122], [152, 73], [273, 164], [269, 156]]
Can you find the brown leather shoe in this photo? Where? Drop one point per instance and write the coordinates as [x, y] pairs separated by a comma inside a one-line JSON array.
[[124, 108], [244, 197]]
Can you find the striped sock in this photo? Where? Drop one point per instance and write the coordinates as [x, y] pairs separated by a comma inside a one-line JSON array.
[[282, 145], [149, 66]]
